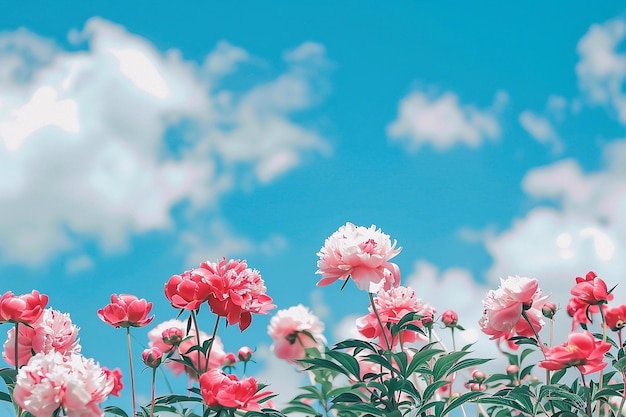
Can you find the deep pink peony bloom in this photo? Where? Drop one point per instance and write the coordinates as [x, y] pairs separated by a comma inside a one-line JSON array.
[[126, 311], [53, 331], [581, 312], [362, 254], [221, 390], [590, 289], [52, 380], [236, 291], [504, 306], [615, 317], [187, 290], [392, 305], [24, 308], [293, 330], [114, 376], [581, 350]]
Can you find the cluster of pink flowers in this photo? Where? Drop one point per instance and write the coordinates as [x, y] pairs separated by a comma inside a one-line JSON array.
[[52, 373]]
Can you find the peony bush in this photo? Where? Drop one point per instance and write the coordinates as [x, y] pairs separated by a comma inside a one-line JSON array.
[[399, 366]]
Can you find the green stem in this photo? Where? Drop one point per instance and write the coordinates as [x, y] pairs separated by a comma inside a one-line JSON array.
[[208, 354], [132, 372], [380, 322], [588, 399], [199, 371], [153, 389], [17, 365]]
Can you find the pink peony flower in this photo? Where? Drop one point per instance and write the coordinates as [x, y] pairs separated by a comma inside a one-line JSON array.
[[581, 312], [187, 290], [293, 330], [591, 289], [152, 357], [450, 318], [581, 350], [53, 331], [52, 380], [615, 317], [24, 308], [244, 354], [221, 390], [126, 311], [114, 376], [504, 307], [362, 254], [392, 305], [237, 291]]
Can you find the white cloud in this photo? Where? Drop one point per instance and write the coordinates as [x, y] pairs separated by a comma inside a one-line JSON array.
[[78, 264], [281, 376], [540, 129], [443, 122], [82, 135], [601, 70]]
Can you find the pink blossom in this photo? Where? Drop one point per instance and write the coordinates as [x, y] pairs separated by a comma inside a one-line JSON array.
[[236, 291], [221, 390], [581, 350], [115, 376], [362, 254], [244, 354], [152, 357], [293, 330], [53, 331], [24, 308], [504, 307], [450, 318], [188, 290], [590, 289], [392, 305], [126, 310], [616, 317], [581, 312], [52, 380]]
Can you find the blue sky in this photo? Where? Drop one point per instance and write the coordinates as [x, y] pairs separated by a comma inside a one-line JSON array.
[[137, 139]]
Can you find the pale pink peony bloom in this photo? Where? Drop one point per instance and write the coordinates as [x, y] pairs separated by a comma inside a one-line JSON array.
[[126, 310], [188, 290], [52, 380], [216, 360], [581, 350], [25, 308], [392, 305], [53, 331], [227, 391], [504, 306], [293, 330], [362, 254], [237, 291]]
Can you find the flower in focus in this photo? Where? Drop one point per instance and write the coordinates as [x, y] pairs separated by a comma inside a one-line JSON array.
[[52, 380], [115, 376], [294, 330], [549, 310], [187, 290], [615, 317], [236, 291], [581, 350], [591, 289], [362, 254], [392, 305], [53, 331], [244, 354], [126, 311], [24, 308], [152, 357], [503, 308], [450, 318], [221, 390]]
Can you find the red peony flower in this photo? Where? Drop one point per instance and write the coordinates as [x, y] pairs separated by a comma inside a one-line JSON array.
[[581, 350], [591, 289], [615, 317], [24, 308], [220, 389], [126, 311], [187, 290]]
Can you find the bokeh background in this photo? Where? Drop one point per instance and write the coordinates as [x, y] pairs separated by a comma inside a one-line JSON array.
[[140, 138]]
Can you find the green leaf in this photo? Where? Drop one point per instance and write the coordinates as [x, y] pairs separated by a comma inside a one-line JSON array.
[[301, 408], [115, 411], [466, 363], [462, 399], [347, 397], [358, 345], [445, 362], [320, 363], [431, 389], [606, 393], [556, 377], [8, 375], [347, 361], [421, 358]]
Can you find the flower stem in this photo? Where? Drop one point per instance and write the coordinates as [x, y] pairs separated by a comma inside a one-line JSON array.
[[132, 373], [199, 371], [152, 394], [588, 399], [208, 354], [17, 365], [380, 323]]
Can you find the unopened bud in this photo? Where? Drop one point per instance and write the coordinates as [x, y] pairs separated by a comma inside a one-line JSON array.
[[244, 354], [478, 376], [450, 318], [512, 369], [172, 336], [152, 357], [548, 310], [230, 359]]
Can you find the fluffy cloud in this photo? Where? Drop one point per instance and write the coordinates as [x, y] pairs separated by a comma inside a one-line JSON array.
[[103, 140], [583, 229], [540, 128], [601, 70], [443, 122]]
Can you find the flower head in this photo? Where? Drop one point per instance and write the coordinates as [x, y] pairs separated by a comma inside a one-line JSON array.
[[590, 289], [362, 254], [581, 350], [188, 290], [115, 376], [221, 390], [244, 354], [24, 308], [615, 317], [450, 318], [236, 291], [152, 357], [294, 330], [126, 310]]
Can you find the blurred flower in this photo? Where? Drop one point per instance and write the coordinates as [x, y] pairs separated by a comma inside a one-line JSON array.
[[152, 357], [230, 359], [126, 311], [115, 376], [450, 318], [615, 317], [362, 254], [172, 336], [591, 289], [581, 350], [236, 291], [512, 369], [220, 389], [549, 310], [188, 290], [294, 330], [244, 354], [24, 308], [51, 380]]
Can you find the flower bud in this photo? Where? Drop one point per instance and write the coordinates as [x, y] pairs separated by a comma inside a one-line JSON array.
[[245, 354], [548, 310], [230, 359], [478, 376], [450, 318], [172, 336], [512, 369], [152, 357]]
